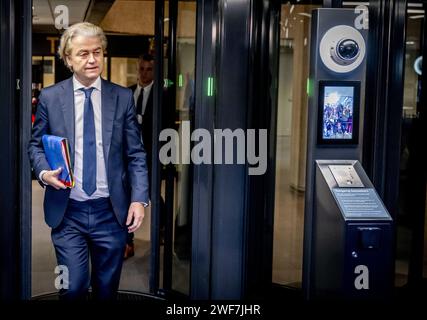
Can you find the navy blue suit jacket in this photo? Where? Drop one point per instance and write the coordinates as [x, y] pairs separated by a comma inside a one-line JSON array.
[[124, 154]]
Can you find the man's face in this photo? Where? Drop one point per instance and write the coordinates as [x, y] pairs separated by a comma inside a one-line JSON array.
[[145, 72], [86, 59]]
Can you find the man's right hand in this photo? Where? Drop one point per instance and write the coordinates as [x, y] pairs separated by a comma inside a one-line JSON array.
[[51, 178]]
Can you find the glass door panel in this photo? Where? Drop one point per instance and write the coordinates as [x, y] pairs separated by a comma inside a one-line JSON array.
[[184, 120], [411, 219], [129, 27], [295, 24], [179, 65]]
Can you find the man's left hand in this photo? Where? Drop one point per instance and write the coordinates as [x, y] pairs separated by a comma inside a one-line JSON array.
[[135, 216]]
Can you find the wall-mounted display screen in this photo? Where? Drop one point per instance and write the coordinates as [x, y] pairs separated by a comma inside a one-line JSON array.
[[338, 112]]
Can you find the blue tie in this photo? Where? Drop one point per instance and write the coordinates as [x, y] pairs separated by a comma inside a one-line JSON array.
[[89, 145]]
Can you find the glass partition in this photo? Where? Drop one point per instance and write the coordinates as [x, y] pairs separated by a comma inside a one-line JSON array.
[[411, 220], [295, 24]]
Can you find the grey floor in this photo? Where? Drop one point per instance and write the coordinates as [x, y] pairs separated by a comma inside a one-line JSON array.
[[135, 273], [288, 222]]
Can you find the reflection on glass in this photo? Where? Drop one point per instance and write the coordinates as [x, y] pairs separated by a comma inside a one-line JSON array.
[[409, 200], [184, 106], [291, 145]]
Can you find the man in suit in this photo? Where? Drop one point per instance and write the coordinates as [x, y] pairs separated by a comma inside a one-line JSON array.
[[143, 98], [109, 162]]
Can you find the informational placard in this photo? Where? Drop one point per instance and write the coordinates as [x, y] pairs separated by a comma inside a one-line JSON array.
[[360, 202]]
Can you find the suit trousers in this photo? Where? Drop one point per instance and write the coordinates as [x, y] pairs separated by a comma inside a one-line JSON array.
[[90, 229]]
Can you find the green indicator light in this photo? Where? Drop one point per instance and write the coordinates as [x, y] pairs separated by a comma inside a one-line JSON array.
[[309, 87], [210, 86], [167, 83], [180, 80]]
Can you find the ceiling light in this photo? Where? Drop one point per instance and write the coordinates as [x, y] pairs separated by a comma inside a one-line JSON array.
[[420, 16]]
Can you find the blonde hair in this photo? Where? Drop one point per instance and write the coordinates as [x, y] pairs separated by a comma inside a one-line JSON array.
[[86, 29]]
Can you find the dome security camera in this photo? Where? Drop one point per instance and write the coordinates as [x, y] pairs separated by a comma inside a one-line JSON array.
[[345, 52], [342, 49]]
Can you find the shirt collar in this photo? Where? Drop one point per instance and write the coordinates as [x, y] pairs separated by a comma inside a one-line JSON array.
[[77, 85], [147, 87]]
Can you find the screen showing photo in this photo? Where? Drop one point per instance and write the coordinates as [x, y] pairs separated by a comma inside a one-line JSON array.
[[338, 104]]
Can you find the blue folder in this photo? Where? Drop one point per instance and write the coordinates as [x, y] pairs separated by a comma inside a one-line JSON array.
[[58, 156]]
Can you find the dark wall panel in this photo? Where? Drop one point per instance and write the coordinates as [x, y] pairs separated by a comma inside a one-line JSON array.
[[9, 143]]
